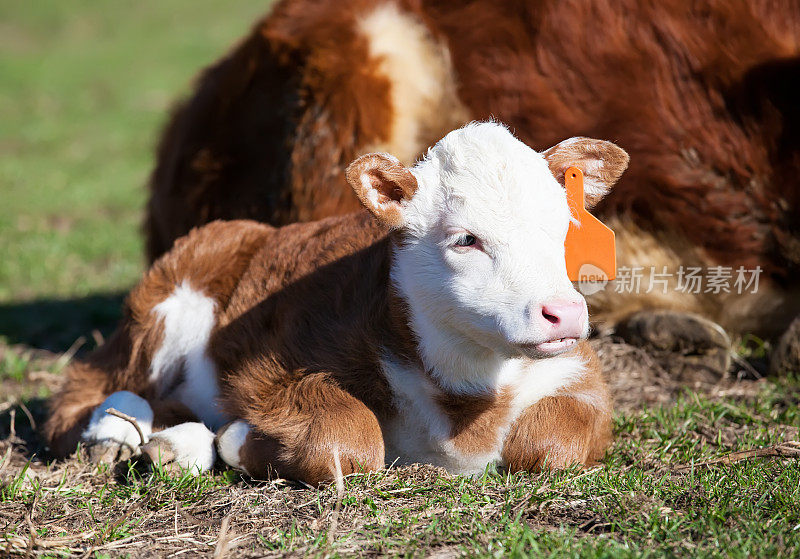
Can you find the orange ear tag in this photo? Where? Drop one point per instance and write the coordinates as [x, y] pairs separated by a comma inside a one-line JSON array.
[[589, 249]]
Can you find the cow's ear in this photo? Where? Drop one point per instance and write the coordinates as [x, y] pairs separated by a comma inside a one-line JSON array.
[[601, 163], [382, 184]]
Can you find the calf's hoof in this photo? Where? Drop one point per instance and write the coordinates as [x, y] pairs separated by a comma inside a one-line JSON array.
[[684, 344], [188, 446], [109, 451], [109, 438]]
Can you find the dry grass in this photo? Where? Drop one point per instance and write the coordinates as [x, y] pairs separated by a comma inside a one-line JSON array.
[[715, 473]]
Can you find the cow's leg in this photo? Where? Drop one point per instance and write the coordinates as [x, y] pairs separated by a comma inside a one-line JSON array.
[[188, 446], [683, 343], [86, 385], [557, 432], [170, 430], [179, 440], [172, 435], [785, 358], [110, 438], [78, 410], [303, 433]]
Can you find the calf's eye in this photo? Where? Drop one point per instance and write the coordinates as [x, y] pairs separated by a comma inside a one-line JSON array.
[[466, 240]]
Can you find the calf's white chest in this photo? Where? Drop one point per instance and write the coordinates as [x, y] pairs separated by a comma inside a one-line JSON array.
[[421, 431]]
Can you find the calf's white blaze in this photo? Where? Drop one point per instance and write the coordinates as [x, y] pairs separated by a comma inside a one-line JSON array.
[[472, 309]]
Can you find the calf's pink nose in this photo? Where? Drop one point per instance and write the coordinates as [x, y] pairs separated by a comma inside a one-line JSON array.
[[563, 319]]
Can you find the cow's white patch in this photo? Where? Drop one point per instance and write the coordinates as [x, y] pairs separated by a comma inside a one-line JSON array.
[[192, 445], [423, 91], [105, 427], [536, 379], [419, 429], [230, 443], [188, 318]]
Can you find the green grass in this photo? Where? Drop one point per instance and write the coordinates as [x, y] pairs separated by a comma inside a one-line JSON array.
[[84, 88], [14, 366], [649, 498]]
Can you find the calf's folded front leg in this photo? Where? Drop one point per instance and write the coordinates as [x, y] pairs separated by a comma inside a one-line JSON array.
[[301, 431], [558, 432]]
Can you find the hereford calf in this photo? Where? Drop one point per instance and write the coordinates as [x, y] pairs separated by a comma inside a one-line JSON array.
[[442, 328]]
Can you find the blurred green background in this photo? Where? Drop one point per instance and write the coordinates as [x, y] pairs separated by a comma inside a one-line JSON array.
[[85, 88]]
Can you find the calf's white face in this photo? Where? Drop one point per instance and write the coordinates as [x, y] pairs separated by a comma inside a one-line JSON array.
[[483, 220]]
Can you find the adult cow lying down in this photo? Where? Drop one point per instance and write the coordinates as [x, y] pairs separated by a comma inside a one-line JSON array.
[[441, 328]]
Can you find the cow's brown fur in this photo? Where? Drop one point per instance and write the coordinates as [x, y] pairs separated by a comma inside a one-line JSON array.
[[560, 431], [255, 118], [476, 420], [304, 423], [702, 96], [304, 314]]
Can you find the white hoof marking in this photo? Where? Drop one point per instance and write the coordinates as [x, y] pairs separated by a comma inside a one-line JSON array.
[[191, 445], [105, 427], [230, 442]]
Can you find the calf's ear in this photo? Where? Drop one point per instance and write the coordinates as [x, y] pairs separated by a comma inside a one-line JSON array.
[[601, 163], [382, 183]]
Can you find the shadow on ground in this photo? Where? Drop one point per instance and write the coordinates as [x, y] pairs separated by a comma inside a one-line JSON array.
[[20, 425], [55, 324], [42, 336]]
